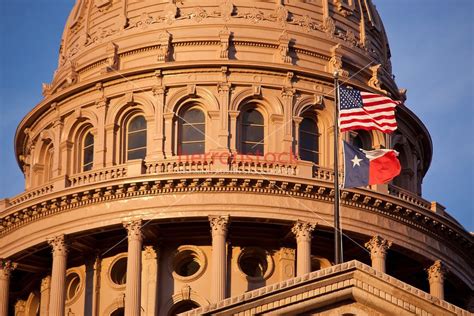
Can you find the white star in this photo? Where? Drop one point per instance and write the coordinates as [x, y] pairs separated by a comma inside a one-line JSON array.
[[356, 161]]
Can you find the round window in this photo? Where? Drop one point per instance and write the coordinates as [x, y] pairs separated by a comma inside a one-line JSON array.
[[73, 285], [118, 272], [183, 306], [253, 264], [188, 263]]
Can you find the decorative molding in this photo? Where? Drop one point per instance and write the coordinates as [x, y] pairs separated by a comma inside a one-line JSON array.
[[6, 268], [375, 81], [335, 63], [164, 47], [224, 36]]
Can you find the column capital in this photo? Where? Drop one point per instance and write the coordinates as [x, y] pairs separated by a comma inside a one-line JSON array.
[[437, 271], [45, 283], [303, 230], [150, 252], [58, 245], [219, 224], [378, 246], [134, 229], [6, 268]]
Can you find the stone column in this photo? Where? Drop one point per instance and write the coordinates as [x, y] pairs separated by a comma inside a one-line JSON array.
[[219, 226], [378, 252], [57, 297], [44, 299], [134, 265], [168, 137], [6, 267], [233, 130], [436, 275], [297, 121], [302, 231]]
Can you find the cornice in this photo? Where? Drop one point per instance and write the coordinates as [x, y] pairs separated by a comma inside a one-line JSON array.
[[412, 215]]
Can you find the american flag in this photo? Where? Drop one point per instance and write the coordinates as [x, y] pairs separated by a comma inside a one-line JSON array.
[[365, 110]]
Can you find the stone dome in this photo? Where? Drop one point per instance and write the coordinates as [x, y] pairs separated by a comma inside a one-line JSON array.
[[103, 35]]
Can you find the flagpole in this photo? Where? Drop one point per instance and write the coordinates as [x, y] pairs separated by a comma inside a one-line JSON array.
[[337, 226]]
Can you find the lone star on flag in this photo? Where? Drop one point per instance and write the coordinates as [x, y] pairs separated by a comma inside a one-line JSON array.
[[356, 161]]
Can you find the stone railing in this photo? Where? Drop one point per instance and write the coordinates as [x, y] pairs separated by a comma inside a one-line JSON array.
[[408, 196], [28, 195], [178, 166], [98, 175], [250, 166], [323, 174]]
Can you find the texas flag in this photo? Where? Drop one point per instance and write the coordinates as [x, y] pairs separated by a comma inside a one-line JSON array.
[[362, 168]]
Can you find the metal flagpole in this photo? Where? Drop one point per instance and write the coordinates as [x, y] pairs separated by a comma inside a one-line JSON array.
[[337, 225]]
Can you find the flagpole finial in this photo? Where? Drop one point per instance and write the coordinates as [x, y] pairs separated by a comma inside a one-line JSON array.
[[336, 74]]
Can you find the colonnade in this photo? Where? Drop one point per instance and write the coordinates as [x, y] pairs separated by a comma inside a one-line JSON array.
[[54, 286]]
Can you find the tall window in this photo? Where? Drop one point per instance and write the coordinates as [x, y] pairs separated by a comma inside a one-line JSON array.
[[252, 133], [88, 152], [192, 128], [136, 138], [361, 139], [309, 140]]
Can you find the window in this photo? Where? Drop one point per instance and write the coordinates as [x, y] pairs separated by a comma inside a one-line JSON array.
[[361, 139], [192, 129], [48, 172], [118, 272], [136, 138], [73, 285], [252, 133], [309, 140], [183, 306], [88, 152]]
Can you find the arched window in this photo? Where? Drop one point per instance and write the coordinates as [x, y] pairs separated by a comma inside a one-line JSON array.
[[361, 139], [88, 152], [183, 306], [309, 140], [252, 133], [192, 129], [136, 138]]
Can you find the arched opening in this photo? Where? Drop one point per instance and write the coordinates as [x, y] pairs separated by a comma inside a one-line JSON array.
[[88, 152], [308, 145], [191, 132], [48, 163], [183, 306], [361, 139], [252, 132], [136, 138], [118, 312]]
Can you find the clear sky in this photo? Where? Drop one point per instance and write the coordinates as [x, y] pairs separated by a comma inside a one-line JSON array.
[[432, 55]]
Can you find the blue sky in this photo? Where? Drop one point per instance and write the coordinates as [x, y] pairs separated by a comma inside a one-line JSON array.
[[432, 55]]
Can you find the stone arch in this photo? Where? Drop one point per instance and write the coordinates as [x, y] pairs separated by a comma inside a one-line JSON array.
[[32, 304], [273, 105], [184, 96], [75, 121], [185, 294], [117, 303], [128, 103]]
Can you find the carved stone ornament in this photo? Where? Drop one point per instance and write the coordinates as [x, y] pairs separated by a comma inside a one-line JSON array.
[[6, 268], [283, 55], [58, 245], [374, 81], [378, 246], [20, 307], [224, 36], [303, 230], [330, 27], [343, 8], [133, 229], [227, 8], [436, 272], [103, 5], [112, 62], [171, 12], [281, 14], [150, 252], [219, 224], [164, 43], [335, 63]]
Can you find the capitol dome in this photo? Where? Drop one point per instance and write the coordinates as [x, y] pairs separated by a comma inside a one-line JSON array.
[[182, 160]]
